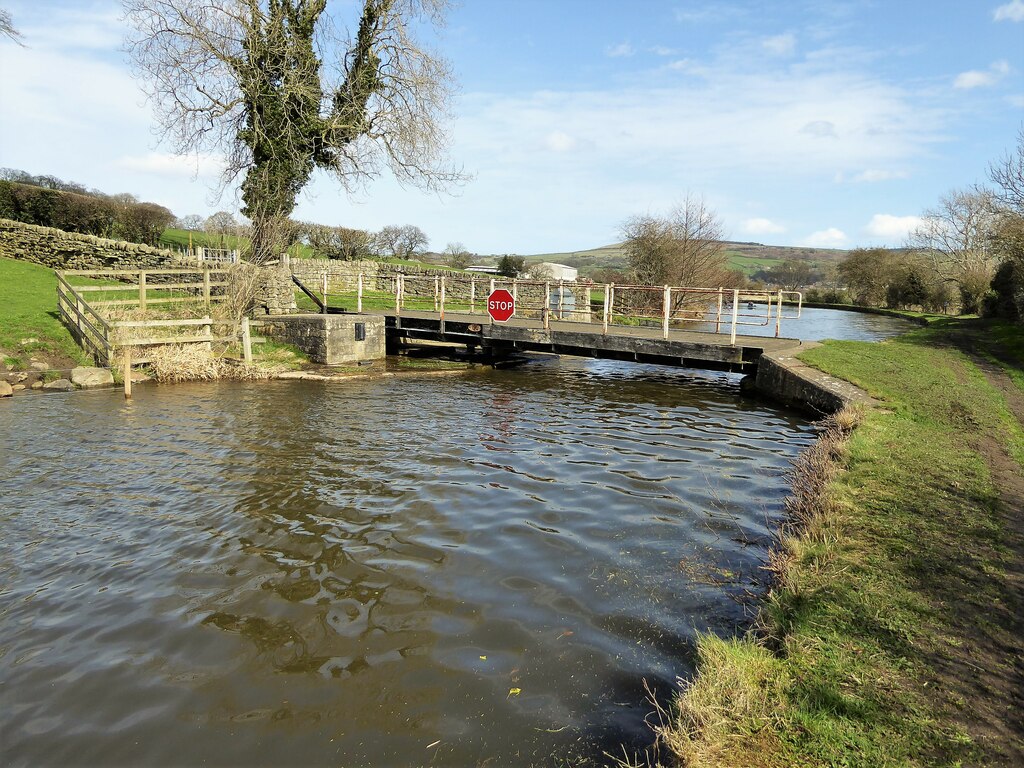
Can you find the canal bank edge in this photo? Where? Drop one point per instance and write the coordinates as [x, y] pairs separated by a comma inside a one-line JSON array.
[[784, 378]]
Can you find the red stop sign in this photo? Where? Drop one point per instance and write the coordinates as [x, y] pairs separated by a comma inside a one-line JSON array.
[[501, 305]]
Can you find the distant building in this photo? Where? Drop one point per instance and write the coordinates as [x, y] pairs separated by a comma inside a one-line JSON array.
[[560, 271], [484, 270]]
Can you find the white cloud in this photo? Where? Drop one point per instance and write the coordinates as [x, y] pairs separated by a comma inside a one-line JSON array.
[[1012, 11], [891, 227], [661, 50], [619, 51], [826, 238], [976, 78], [820, 128], [780, 45], [713, 12], [877, 174], [758, 226], [559, 141], [165, 164]]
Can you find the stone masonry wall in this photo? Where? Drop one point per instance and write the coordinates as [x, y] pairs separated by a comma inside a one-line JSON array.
[[329, 339], [276, 292], [57, 249]]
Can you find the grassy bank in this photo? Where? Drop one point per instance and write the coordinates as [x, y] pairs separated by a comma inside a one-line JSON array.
[[893, 635], [29, 325]]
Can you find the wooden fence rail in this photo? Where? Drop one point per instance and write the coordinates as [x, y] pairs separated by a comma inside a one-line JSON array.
[[102, 337]]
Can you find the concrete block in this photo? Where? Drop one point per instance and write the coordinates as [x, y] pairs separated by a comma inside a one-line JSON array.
[[330, 339]]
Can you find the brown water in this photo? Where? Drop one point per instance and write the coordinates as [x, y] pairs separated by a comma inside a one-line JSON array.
[[445, 571]]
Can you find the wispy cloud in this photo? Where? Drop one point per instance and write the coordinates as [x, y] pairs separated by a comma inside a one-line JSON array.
[[872, 175], [711, 12], [619, 51], [165, 164], [758, 226], [892, 228], [559, 141], [780, 45], [1012, 11], [977, 78], [820, 128], [826, 238]]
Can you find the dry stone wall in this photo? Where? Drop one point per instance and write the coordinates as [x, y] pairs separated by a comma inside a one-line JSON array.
[[57, 249]]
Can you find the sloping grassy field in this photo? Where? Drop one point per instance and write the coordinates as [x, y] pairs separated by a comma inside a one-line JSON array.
[[29, 325]]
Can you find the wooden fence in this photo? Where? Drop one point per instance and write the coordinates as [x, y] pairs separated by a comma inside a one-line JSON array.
[[147, 291]]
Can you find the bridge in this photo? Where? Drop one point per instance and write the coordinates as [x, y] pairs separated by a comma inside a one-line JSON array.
[[666, 325]]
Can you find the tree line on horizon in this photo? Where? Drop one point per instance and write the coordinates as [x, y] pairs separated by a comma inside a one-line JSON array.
[[47, 201]]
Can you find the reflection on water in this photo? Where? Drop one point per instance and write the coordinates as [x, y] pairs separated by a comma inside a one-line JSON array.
[[392, 572]]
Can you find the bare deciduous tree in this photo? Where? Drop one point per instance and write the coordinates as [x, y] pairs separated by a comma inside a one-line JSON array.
[[684, 248], [456, 256], [337, 242], [1007, 174], [401, 242], [956, 236], [7, 28], [273, 87]]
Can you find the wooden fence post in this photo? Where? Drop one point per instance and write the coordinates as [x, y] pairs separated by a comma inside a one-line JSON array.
[[206, 287], [246, 341], [127, 352], [142, 291]]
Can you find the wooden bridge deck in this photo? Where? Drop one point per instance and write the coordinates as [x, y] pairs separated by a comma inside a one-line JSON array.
[[691, 349]]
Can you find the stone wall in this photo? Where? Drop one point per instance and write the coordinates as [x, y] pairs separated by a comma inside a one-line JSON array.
[[57, 249], [782, 377], [275, 294], [329, 339]]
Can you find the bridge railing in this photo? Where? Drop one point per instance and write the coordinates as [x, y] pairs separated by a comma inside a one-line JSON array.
[[610, 305]]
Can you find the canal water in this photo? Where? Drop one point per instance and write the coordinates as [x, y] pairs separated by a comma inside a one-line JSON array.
[[472, 570], [816, 324]]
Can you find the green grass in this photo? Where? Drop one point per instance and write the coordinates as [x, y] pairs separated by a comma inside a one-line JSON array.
[[748, 265], [28, 310], [863, 614]]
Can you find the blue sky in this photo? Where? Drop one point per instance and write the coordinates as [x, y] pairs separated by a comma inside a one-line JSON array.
[[800, 123]]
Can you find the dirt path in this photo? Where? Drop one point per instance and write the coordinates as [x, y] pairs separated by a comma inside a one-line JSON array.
[[982, 677]]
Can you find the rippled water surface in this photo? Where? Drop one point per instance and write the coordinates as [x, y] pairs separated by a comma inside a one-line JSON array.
[[402, 571]]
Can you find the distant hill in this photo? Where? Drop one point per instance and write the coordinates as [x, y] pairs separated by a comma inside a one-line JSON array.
[[744, 256]]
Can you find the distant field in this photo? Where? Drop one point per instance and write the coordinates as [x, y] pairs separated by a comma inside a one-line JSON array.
[[746, 257]]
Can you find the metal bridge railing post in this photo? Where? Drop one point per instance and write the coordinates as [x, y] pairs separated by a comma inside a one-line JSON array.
[[359, 293], [718, 316], [607, 308], [778, 316], [546, 311], [472, 295], [442, 306], [666, 310], [436, 291], [490, 317], [561, 293], [735, 314]]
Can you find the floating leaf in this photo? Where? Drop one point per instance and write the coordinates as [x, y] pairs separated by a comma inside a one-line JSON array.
[[514, 691], [483, 658]]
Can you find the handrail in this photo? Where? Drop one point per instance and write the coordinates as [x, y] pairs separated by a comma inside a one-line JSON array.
[[547, 300]]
